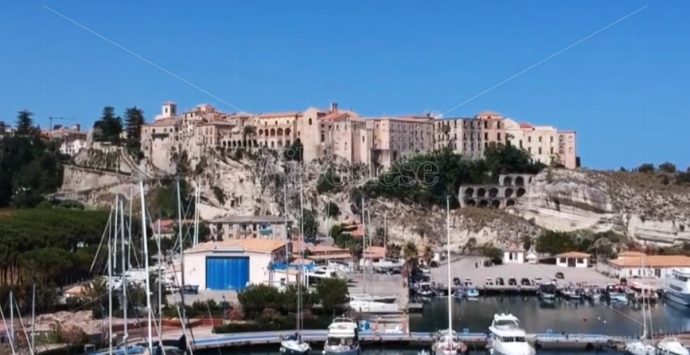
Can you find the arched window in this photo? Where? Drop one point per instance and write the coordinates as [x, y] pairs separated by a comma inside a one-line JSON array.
[[310, 121]]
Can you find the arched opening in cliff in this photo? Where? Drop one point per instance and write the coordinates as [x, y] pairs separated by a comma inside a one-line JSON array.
[[481, 192], [471, 203], [493, 192], [483, 203], [507, 181], [520, 192], [508, 192], [495, 203], [510, 203], [557, 203], [469, 191], [519, 181]]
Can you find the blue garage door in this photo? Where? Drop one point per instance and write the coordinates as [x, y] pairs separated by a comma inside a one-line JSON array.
[[227, 273]]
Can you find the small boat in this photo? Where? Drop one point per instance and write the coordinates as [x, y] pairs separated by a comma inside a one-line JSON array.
[[448, 345], [572, 294], [507, 338], [671, 346], [458, 293], [472, 293], [547, 291], [640, 347], [294, 346], [372, 298], [677, 287], [343, 338], [369, 306]]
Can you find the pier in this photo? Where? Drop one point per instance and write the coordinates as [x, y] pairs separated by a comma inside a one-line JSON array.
[[474, 341]]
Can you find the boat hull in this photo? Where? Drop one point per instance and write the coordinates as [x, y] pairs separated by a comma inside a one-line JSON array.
[[678, 297]]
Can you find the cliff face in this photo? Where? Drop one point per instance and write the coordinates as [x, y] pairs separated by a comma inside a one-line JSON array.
[[632, 204], [258, 184]]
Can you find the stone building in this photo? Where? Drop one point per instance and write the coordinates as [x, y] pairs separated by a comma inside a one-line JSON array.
[[377, 142]]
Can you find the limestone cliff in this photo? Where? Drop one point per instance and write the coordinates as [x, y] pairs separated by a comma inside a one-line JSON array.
[[258, 183], [635, 204]]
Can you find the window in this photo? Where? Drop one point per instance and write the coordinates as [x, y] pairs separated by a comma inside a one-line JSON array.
[[580, 260], [310, 121], [529, 139], [529, 149], [562, 260], [551, 150], [323, 137], [486, 124], [498, 136], [539, 150], [486, 136], [551, 139], [520, 143]]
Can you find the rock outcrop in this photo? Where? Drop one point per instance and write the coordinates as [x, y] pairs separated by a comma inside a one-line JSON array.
[[640, 207]]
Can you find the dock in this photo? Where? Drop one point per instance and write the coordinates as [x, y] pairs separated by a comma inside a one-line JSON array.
[[413, 339]]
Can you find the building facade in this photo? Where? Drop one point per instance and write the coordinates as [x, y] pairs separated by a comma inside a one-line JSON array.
[[377, 142], [248, 227]]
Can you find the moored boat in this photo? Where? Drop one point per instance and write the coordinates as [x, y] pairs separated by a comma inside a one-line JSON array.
[[343, 338]]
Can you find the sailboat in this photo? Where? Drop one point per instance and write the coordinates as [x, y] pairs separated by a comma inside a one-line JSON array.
[[294, 345], [448, 342], [643, 346], [670, 345]]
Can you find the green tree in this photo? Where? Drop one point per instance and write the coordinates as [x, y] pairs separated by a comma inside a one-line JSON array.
[[310, 225], [667, 167], [255, 298], [109, 127], [134, 119], [410, 252], [332, 210], [526, 242], [646, 168], [333, 294], [393, 251], [295, 151], [553, 242], [328, 181], [492, 252], [25, 123]]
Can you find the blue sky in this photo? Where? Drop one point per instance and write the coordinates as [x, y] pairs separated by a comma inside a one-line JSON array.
[[624, 90]]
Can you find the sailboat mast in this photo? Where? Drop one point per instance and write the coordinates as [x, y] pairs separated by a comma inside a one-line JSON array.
[[7, 329], [179, 242], [197, 192], [33, 314], [110, 276], [160, 282], [124, 266], [301, 247], [364, 248], [146, 265], [450, 310], [11, 318], [644, 312]]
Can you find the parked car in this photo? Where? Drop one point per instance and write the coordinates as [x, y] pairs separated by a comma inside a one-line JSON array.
[[559, 275]]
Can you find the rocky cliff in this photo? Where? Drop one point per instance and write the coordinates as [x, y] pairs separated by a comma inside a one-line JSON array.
[[635, 204], [261, 183]]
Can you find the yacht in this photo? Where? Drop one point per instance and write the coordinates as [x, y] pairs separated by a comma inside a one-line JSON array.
[[373, 298], [372, 306], [343, 338], [472, 293], [671, 346], [547, 291], [507, 338], [677, 287]]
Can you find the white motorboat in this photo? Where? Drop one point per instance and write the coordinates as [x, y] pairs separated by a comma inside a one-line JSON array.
[[343, 338], [640, 347], [371, 306], [671, 346], [294, 346], [373, 298], [677, 287], [507, 338]]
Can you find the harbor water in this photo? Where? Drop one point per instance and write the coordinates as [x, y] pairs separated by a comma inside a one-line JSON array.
[[536, 317]]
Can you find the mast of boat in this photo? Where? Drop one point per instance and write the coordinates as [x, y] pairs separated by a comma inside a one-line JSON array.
[[33, 313], [21, 321], [7, 329], [197, 192], [644, 312], [110, 275], [146, 265], [301, 252], [450, 310], [385, 230], [160, 283], [287, 234], [124, 266], [180, 243], [364, 249], [11, 317]]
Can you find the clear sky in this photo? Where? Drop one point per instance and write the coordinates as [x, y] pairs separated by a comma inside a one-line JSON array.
[[624, 89]]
